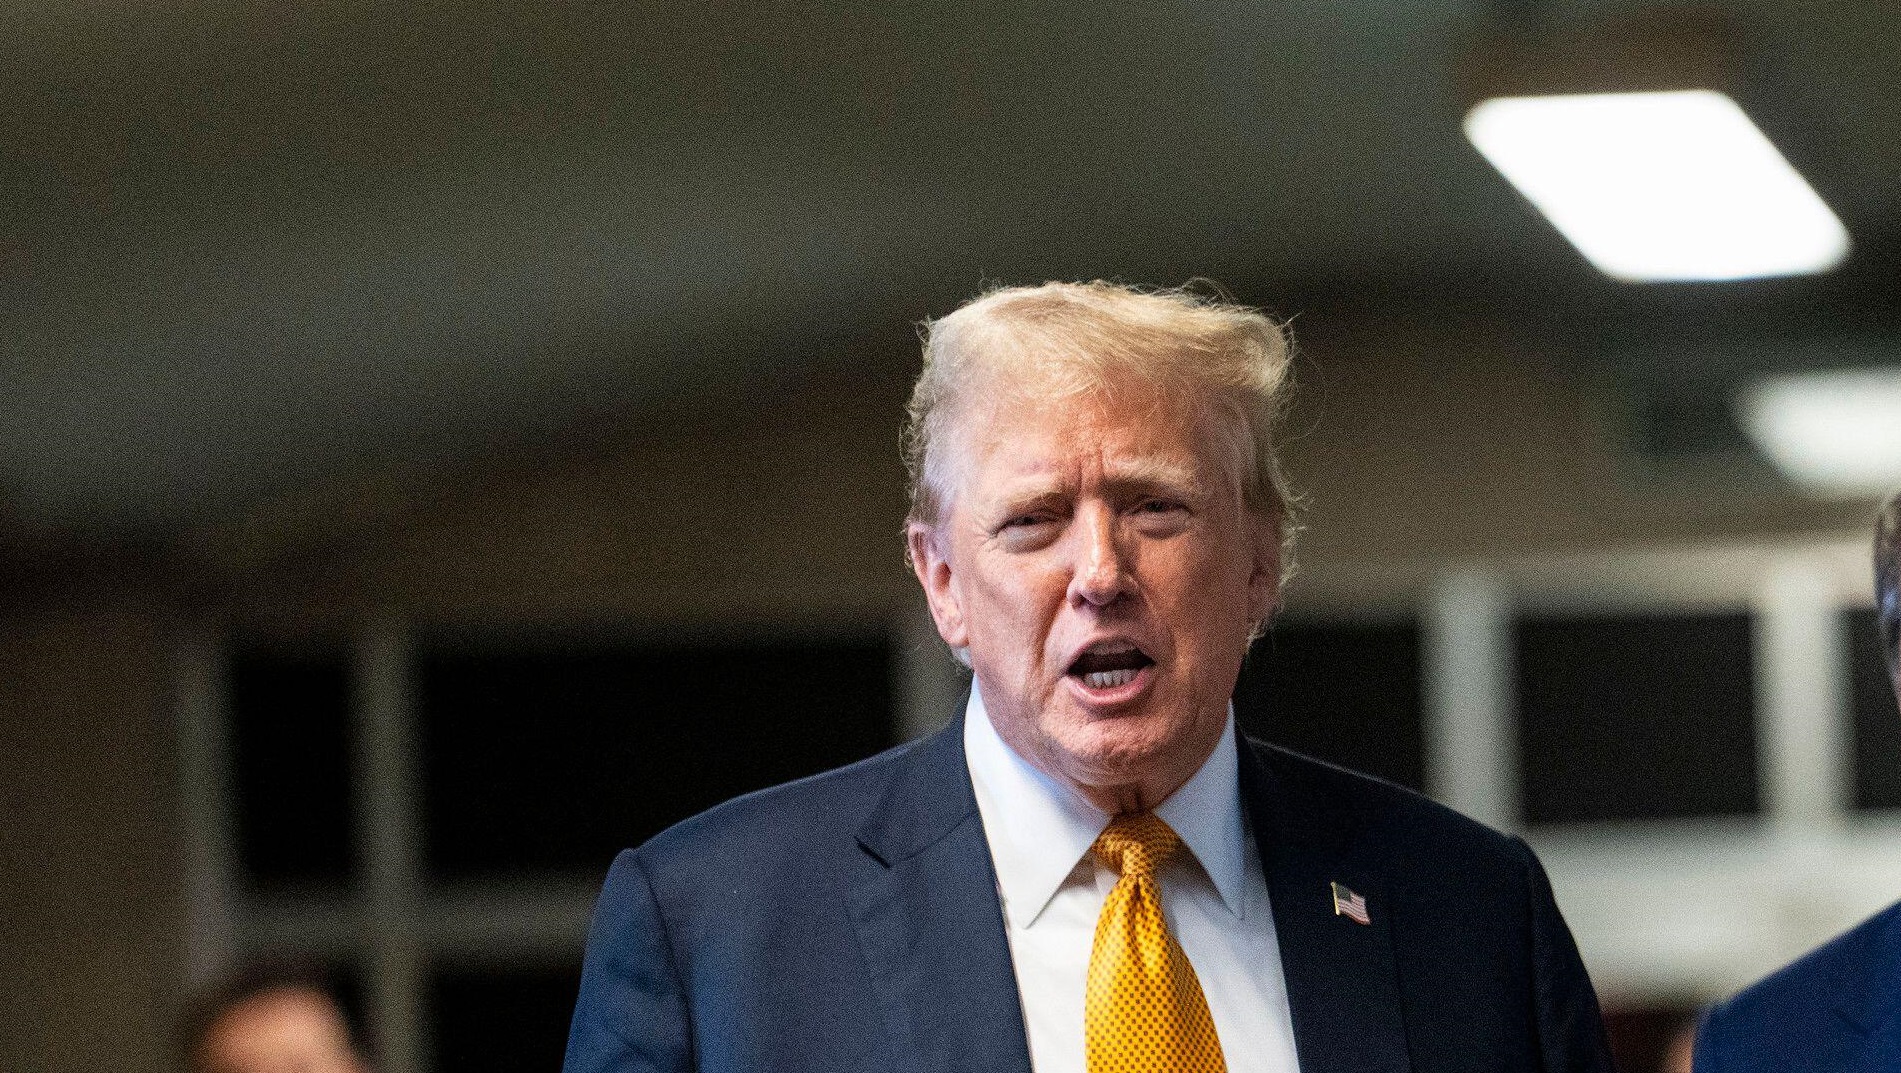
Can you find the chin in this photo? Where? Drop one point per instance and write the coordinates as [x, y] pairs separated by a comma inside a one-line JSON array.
[[1123, 749]]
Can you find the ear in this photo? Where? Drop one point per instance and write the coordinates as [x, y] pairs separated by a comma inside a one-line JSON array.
[[933, 571], [1264, 581]]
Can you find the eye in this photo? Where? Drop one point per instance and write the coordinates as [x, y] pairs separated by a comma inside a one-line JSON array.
[[1160, 515], [1029, 531]]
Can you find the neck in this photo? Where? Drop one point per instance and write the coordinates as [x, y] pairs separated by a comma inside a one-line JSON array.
[[1125, 798]]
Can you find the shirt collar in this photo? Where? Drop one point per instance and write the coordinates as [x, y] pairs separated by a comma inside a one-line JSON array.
[[1038, 829], [1206, 813]]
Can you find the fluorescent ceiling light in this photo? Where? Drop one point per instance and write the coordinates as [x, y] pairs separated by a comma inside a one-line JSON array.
[[1660, 186], [1837, 432]]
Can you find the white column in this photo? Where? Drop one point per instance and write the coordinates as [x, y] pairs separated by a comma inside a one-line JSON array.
[[389, 825], [205, 764], [1801, 737], [1471, 738]]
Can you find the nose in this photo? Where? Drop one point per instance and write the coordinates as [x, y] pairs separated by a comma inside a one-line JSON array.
[[1101, 575]]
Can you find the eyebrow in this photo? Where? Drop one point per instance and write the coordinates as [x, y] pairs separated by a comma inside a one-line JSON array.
[[1155, 473], [1134, 475]]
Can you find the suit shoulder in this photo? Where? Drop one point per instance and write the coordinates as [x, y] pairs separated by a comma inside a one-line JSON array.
[[787, 813], [1390, 812], [1784, 1014]]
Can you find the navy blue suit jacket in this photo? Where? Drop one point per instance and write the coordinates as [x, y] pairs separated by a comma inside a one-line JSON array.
[[850, 921], [1837, 1008]]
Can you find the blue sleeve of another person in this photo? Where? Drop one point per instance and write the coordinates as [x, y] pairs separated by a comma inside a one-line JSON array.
[[1836, 1009]]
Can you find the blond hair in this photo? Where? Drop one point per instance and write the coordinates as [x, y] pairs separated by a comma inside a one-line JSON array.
[[1064, 339]]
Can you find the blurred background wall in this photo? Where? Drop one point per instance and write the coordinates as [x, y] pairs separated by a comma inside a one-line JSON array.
[[425, 432]]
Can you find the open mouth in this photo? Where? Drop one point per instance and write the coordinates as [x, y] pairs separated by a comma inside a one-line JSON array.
[[1109, 666]]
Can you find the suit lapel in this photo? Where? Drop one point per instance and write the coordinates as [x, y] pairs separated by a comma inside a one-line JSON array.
[[930, 922], [1342, 984]]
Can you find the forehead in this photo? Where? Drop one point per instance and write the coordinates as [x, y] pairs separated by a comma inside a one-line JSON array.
[[1137, 435], [280, 1013]]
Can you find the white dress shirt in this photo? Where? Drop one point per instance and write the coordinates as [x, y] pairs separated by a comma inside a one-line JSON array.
[[1052, 890]]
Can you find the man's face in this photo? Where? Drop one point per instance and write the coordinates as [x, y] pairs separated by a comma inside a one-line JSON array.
[[287, 1030], [1096, 560]]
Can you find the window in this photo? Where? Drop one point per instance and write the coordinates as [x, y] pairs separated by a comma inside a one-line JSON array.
[[501, 1020], [1634, 717], [435, 811], [1343, 692], [556, 758], [290, 735], [435, 816]]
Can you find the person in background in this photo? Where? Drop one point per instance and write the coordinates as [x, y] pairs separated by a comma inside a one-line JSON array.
[[1838, 1008], [1678, 1055], [270, 1019], [1089, 870]]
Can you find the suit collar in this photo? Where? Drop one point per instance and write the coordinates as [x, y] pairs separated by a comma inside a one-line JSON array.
[[929, 921], [1342, 981], [927, 799]]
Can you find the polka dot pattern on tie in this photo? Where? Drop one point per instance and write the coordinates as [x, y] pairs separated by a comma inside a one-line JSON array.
[[1143, 1011]]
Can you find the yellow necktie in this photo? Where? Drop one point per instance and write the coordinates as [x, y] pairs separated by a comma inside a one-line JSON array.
[[1143, 1011]]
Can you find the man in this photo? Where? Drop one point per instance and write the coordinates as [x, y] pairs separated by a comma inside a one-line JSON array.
[[270, 1019], [1089, 870], [1839, 1007]]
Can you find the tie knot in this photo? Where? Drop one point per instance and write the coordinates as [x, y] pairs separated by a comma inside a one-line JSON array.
[[1136, 843]]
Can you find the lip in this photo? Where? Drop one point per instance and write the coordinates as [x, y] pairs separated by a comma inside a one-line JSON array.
[[1110, 642], [1113, 696]]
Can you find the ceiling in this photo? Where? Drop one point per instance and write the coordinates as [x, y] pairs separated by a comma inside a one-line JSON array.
[[248, 250]]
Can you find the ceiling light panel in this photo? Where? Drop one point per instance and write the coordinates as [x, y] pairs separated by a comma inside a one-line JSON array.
[[1835, 433], [1660, 186]]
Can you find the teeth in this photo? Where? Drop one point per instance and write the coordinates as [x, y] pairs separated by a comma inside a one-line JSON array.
[[1109, 679]]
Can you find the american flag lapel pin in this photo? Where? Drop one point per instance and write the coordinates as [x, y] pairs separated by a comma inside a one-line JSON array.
[[1350, 905]]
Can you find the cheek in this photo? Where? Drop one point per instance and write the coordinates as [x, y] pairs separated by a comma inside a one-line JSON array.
[[1010, 605], [1211, 602]]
